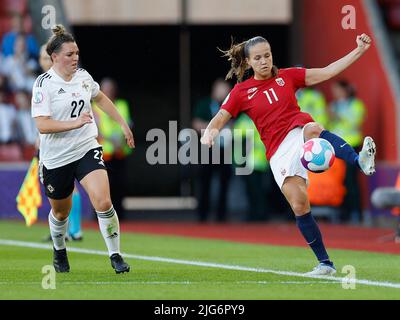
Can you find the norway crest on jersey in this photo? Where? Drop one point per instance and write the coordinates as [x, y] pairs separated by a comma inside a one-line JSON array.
[[280, 82]]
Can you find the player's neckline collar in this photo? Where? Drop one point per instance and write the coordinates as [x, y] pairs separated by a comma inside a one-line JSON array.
[[269, 79], [54, 72]]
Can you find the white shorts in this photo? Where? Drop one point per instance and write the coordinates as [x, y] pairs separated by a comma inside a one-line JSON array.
[[286, 160]]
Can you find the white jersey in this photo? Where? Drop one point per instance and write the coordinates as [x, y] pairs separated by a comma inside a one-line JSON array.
[[64, 101]]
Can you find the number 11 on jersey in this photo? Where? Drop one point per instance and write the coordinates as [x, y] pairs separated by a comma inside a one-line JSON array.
[[268, 95]]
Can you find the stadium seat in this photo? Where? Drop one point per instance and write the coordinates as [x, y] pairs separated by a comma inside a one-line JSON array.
[[20, 6], [10, 152], [28, 152]]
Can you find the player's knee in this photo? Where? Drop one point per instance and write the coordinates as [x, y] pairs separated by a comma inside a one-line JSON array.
[[103, 204], [60, 214], [313, 130], [300, 207]]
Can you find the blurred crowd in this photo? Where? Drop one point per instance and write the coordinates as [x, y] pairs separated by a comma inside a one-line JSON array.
[[335, 194], [19, 68]]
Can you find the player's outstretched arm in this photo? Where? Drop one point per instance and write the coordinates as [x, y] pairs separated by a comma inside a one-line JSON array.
[[108, 107], [318, 75], [215, 125]]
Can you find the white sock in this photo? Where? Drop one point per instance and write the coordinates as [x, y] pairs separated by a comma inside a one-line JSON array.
[[58, 229], [109, 227]]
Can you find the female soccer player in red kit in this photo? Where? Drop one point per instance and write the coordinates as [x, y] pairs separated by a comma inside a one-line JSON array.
[[268, 98]]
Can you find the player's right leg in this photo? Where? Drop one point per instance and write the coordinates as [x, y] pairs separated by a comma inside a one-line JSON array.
[[59, 184]]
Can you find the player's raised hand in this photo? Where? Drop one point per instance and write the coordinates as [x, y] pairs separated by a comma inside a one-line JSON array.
[[83, 119], [207, 139], [128, 136], [363, 42]]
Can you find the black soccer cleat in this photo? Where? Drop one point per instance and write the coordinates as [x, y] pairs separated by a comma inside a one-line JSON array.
[[119, 265], [60, 260]]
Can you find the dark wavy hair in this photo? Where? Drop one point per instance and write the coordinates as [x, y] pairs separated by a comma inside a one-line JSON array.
[[237, 55]]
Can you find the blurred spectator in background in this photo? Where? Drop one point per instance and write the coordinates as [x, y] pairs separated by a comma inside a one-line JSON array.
[[44, 59], [255, 183], [9, 38], [204, 110], [325, 190], [7, 117], [347, 114], [26, 128], [115, 149], [313, 102], [19, 67]]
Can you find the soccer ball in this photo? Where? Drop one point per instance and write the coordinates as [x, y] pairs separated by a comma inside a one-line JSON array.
[[317, 155]]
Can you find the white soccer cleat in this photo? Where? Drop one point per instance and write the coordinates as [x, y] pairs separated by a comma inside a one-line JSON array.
[[322, 269], [366, 158]]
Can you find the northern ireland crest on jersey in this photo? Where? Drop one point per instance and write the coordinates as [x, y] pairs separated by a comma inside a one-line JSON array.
[[86, 85], [280, 82], [50, 188]]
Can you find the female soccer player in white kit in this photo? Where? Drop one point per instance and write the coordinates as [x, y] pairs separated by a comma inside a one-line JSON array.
[[61, 107], [268, 98]]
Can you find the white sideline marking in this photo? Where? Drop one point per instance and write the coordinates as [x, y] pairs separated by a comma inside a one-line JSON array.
[[164, 282], [201, 264]]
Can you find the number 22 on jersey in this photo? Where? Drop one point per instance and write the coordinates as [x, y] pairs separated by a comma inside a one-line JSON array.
[[74, 104]]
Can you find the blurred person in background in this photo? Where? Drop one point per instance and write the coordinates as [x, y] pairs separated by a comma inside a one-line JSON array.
[[255, 182], [204, 110], [19, 67], [115, 149], [9, 38], [69, 150], [329, 200], [347, 114], [27, 130], [267, 96], [8, 115], [312, 101], [75, 232]]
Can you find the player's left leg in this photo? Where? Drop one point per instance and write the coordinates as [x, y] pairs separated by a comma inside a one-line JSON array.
[[97, 187], [365, 160], [58, 224], [295, 190]]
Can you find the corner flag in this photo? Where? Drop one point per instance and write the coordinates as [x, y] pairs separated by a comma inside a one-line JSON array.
[[29, 197]]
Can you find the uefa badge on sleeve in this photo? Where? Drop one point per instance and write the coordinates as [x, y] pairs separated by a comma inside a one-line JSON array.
[[38, 97]]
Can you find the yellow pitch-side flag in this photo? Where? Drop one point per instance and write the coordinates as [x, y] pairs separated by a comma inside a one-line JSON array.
[[29, 198]]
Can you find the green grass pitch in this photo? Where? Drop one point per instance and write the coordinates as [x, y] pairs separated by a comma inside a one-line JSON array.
[[92, 277]]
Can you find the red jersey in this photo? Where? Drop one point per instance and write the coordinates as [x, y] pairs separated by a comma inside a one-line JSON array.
[[271, 104]]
